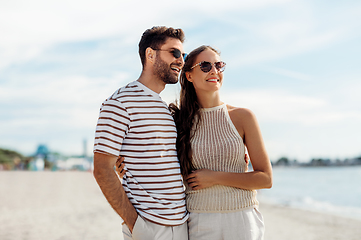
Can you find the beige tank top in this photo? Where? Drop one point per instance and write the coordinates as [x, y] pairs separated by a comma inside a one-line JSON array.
[[217, 145]]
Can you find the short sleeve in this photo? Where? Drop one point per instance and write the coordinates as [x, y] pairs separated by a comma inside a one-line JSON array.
[[112, 126]]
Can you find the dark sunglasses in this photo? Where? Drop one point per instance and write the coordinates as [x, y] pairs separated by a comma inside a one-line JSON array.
[[176, 53], [207, 66]]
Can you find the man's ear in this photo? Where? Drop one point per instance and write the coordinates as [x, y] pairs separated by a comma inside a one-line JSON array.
[[189, 76], [150, 55]]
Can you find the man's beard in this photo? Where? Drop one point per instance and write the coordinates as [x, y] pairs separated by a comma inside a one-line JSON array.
[[164, 72]]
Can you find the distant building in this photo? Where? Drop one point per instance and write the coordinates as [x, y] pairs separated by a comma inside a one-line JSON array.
[[85, 149], [74, 163], [42, 151]]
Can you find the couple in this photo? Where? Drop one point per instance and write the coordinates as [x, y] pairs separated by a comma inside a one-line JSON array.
[[219, 198]]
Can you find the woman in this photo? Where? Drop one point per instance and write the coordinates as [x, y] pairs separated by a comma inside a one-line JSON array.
[[212, 137]]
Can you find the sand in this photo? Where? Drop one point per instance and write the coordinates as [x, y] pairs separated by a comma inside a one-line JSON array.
[[70, 205], [284, 223]]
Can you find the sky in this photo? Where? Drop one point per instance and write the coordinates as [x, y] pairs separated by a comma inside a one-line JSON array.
[[295, 64]]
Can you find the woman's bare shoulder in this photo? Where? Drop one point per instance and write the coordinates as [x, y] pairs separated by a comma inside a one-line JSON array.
[[240, 113]]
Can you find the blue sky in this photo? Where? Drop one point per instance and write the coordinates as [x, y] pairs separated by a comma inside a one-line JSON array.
[[296, 64]]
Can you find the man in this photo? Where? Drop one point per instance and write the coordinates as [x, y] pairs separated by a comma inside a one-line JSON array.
[[135, 123]]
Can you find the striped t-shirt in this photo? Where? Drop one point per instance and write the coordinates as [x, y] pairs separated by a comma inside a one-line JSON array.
[[136, 124]]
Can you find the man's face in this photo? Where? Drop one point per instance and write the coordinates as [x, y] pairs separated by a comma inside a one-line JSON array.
[[167, 67]]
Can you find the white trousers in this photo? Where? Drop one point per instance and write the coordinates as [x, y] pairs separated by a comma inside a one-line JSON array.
[[145, 230], [243, 225]]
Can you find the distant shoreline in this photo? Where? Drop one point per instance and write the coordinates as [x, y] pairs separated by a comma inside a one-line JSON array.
[[317, 162]]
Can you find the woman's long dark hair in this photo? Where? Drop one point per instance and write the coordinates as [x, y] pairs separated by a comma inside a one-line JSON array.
[[185, 116]]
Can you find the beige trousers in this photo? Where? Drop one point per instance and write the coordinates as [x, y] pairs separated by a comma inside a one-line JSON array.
[[145, 230], [241, 225]]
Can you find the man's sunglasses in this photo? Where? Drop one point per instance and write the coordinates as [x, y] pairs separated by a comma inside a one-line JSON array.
[[207, 66], [176, 53]]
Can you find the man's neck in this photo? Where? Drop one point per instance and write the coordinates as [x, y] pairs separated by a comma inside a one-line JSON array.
[[152, 82]]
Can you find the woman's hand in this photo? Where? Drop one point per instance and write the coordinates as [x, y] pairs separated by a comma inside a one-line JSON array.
[[202, 178], [120, 166]]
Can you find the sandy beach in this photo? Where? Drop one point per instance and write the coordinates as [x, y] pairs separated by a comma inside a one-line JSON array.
[[70, 205]]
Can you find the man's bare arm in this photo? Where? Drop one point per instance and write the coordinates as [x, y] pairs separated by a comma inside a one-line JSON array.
[[113, 189]]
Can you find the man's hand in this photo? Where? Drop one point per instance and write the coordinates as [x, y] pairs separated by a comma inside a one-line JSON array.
[[112, 188], [120, 167], [246, 159]]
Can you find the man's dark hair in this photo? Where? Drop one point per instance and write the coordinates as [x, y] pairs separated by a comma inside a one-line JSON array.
[[156, 37]]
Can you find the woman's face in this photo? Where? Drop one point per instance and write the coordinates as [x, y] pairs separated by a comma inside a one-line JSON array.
[[206, 81]]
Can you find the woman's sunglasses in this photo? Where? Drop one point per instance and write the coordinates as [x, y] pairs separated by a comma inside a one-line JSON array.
[[207, 66], [176, 52]]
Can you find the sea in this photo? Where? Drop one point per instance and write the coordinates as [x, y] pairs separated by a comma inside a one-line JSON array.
[[333, 190]]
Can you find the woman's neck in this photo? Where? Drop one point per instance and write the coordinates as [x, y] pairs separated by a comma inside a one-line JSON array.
[[209, 100]]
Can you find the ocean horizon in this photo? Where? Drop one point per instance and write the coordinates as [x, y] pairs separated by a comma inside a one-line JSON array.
[[331, 190]]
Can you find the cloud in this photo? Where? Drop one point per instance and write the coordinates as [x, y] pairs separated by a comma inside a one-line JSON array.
[[280, 106], [288, 73], [292, 29], [31, 27], [206, 6], [299, 126], [61, 59], [58, 111], [67, 102], [288, 46]]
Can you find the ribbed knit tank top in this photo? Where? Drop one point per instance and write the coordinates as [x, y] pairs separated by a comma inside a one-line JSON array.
[[217, 145]]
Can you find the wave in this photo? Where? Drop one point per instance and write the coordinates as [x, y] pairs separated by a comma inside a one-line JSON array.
[[310, 204]]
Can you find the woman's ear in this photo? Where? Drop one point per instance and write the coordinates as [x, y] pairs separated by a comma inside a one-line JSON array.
[[189, 76]]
